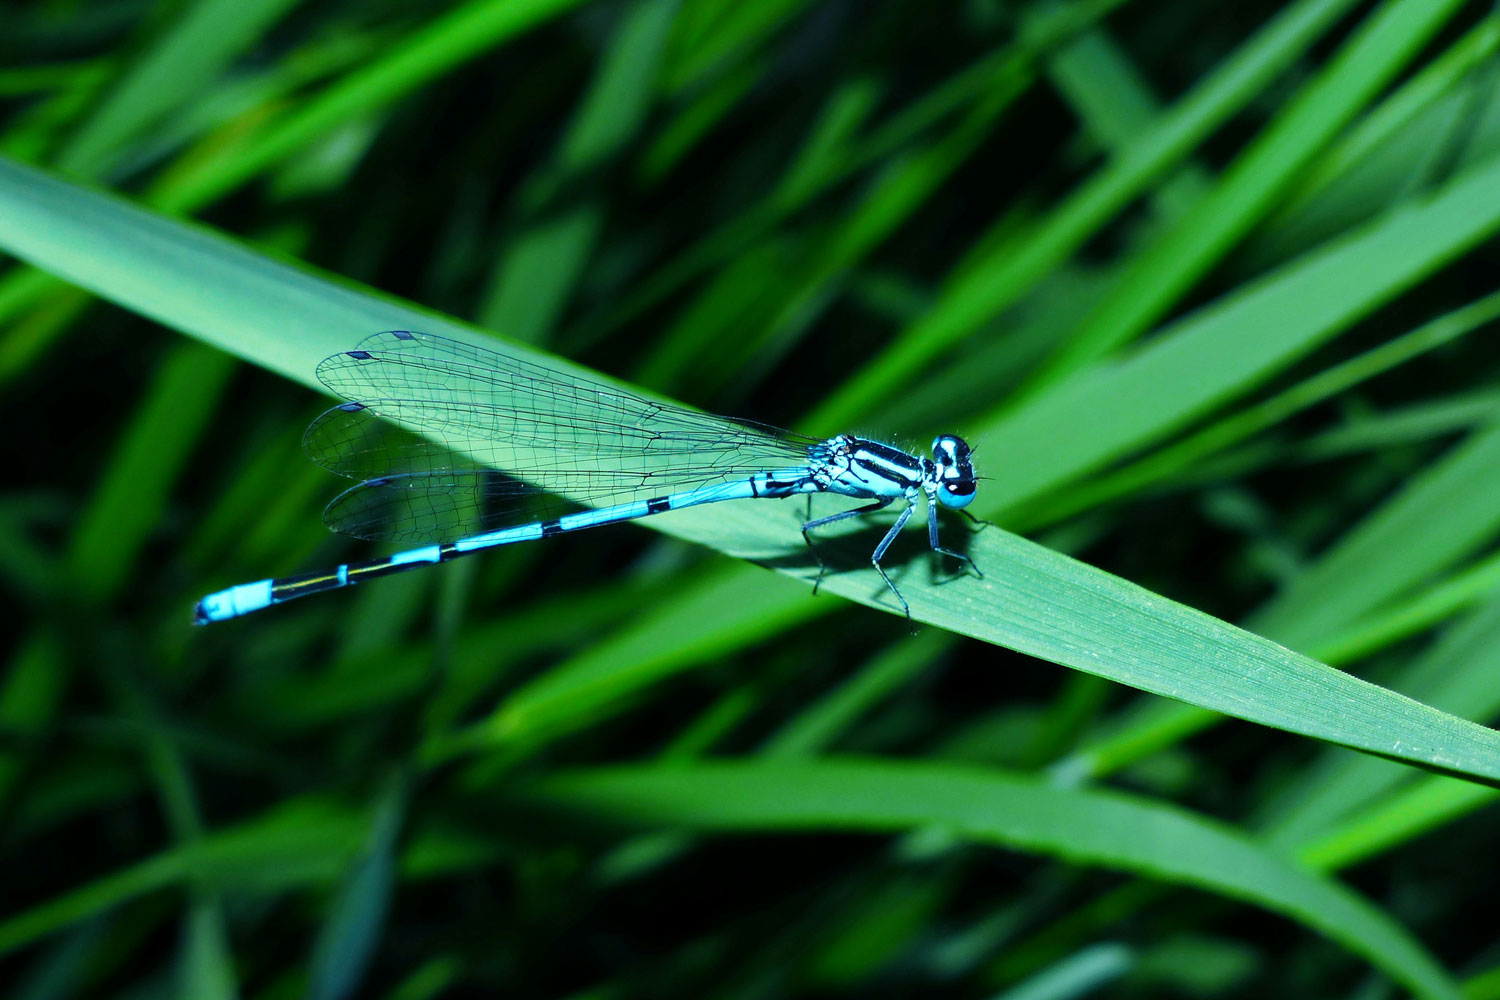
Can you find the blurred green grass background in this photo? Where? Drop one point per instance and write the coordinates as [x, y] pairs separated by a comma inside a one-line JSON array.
[[1211, 288]]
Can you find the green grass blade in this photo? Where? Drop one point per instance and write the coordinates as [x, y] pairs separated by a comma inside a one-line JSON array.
[[1162, 724], [1420, 422], [1335, 610], [1079, 975], [818, 725], [695, 122], [35, 680], [833, 133], [536, 274], [174, 71], [1430, 606], [1042, 603], [1429, 804], [346, 946], [1435, 80], [1456, 674], [992, 807], [283, 318], [152, 454], [1399, 546], [998, 276], [63, 971], [537, 271], [207, 964], [897, 191], [1182, 456], [1232, 344], [1012, 66], [433, 979], [621, 94], [1379, 49], [608, 674], [1118, 107], [713, 35], [1033, 600], [300, 841], [450, 40]]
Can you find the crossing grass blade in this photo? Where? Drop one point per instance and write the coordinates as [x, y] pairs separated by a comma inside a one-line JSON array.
[[993, 808], [1005, 70], [1229, 346], [1362, 571], [173, 419], [1382, 128], [207, 969], [205, 37], [302, 841], [538, 267], [1032, 599], [995, 277], [346, 947], [1187, 453], [1382, 46], [450, 39]]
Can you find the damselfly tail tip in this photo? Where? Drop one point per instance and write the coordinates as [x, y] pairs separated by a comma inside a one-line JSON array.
[[232, 603]]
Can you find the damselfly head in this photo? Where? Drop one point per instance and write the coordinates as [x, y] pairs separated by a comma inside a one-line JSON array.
[[955, 471]]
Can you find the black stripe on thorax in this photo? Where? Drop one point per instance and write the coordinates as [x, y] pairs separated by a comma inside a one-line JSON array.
[[888, 463]]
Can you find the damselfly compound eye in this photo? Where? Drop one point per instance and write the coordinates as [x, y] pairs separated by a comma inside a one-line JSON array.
[[959, 493]]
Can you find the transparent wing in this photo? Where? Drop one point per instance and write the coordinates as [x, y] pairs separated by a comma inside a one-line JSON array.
[[356, 442], [430, 420], [424, 507], [442, 506]]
